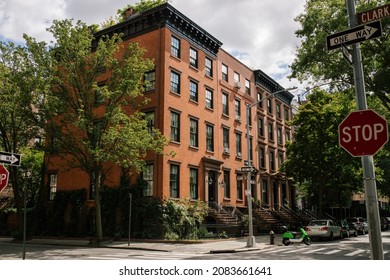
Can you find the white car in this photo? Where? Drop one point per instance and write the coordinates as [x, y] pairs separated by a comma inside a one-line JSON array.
[[323, 229]]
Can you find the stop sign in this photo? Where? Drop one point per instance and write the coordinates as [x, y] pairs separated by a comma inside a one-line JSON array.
[[363, 133], [3, 177]]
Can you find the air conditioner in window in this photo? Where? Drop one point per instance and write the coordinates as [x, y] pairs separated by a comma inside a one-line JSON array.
[[238, 118], [226, 150], [237, 84]]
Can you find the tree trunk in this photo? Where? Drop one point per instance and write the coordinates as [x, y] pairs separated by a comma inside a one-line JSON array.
[[98, 212]]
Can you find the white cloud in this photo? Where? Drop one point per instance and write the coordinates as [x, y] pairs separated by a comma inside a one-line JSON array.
[[260, 33]]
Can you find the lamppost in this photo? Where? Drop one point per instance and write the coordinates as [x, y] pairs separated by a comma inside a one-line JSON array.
[[251, 239]]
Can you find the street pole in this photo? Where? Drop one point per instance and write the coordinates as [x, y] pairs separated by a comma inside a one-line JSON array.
[[371, 196], [130, 199], [24, 220], [251, 241]]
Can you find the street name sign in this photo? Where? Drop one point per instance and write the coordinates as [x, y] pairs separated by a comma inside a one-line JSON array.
[[247, 169], [4, 175], [10, 158], [374, 14], [354, 35], [363, 133]]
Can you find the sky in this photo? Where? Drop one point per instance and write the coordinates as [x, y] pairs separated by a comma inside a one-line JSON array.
[[259, 33]]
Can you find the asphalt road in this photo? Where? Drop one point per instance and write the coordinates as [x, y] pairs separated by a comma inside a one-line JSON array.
[[353, 248]]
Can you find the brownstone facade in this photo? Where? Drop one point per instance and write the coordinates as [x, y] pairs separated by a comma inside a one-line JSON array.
[[198, 97]]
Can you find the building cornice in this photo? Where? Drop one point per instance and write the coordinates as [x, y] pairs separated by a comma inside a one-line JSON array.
[[264, 81], [164, 16]]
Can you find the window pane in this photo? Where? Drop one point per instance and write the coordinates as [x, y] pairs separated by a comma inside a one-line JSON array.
[[174, 181], [193, 91], [175, 47], [193, 133], [175, 82]]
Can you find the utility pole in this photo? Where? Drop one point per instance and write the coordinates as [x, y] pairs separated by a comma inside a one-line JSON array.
[[371, 196]]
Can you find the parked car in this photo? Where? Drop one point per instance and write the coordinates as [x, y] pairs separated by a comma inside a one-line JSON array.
[[361, 224], [384, 223], [343, 224], [323, 229], [353, 229]]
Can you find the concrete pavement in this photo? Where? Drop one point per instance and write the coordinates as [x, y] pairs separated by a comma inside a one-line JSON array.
[[229, 245]]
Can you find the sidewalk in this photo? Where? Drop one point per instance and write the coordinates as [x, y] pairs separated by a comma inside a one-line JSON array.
[[230, 245]]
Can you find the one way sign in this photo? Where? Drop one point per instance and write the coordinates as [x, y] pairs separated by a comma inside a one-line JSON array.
[[354, 35], [9, 158]]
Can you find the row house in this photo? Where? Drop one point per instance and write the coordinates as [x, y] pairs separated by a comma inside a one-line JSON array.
[[198, 98]]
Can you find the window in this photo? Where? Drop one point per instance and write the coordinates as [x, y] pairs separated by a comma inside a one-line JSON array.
[[193, 183], [193, 91], [237, 109], [193, 58], [209, 138], [150, 81], [52, 185], [286, 114], [175, 47], [224, 72], [209, 67], [193, 133], [147, 176], [259, 100], [271, 131], [225, 104], [209, 99], [238, 145], [278, 111], [175, 82], [260, 127], [288, 136], [236, 77], [225, 136], [226, 181], [175, 127], [264, 191], [280, 159], [269, 105], [247, 87], [174, 181], [280, 136], [262, 157], [239, 186], [149, 117], [272, 160]]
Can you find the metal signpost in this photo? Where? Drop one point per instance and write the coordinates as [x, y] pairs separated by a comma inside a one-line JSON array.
[[362, 131]]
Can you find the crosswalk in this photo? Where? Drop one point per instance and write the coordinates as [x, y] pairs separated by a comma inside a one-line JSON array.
[[143, 256], [309, 250]]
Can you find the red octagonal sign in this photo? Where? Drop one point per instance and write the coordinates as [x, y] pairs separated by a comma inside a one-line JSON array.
[[363, 133], [4, 174]]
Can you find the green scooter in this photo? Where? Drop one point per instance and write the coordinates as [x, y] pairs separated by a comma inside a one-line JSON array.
[[291, 237]]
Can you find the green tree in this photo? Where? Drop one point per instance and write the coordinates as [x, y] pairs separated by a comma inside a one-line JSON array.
[[97, 124], [326, 173], [22, 87], [314, 63]]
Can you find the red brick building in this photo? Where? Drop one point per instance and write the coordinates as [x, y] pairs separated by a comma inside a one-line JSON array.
[[199, 95]]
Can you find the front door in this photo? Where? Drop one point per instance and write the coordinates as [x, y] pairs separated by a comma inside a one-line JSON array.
[[212, 183]]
